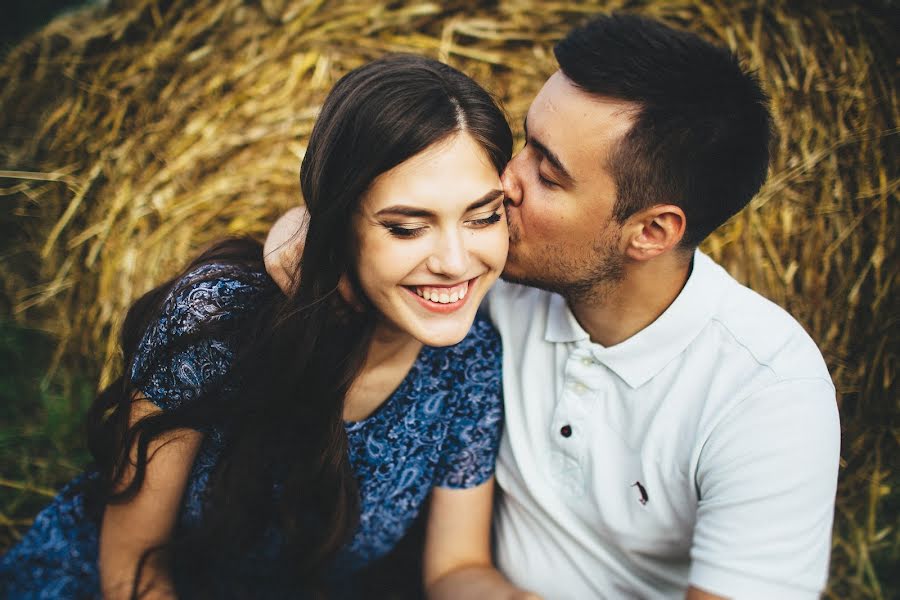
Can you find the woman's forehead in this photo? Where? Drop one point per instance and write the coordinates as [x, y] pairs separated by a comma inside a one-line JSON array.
[[447, 176]]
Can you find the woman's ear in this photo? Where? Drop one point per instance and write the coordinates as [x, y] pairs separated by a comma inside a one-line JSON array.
[[349, 294]]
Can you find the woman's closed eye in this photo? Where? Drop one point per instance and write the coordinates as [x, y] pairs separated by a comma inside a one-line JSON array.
[[404, 231], [412, 230], [492, 218], [488, 217]]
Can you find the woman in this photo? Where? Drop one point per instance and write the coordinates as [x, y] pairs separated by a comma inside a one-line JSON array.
[[263, 445]]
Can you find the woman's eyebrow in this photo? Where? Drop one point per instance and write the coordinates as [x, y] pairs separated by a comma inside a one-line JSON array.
[[415, 211], [484, 200]]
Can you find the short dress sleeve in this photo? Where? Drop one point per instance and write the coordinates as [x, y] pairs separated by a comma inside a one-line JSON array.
[[189, 349], [470, 449]]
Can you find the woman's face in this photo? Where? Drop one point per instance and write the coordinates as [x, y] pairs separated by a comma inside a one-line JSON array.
[[432, 239]]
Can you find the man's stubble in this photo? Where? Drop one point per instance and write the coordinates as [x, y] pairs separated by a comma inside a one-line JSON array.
[[589, 276]]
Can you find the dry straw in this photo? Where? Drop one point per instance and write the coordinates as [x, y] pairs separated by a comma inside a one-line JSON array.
[[135, 134]]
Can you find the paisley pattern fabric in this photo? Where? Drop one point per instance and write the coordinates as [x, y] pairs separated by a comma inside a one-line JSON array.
[[440, 427]]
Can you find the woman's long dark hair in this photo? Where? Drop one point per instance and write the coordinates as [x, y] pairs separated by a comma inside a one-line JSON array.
[[299, 353]]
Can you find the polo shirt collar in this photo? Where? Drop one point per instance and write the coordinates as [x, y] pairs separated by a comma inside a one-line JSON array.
[[639, 358]]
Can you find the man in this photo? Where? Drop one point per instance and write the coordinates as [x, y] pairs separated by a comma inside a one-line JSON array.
[[666, 428], [668, 431]]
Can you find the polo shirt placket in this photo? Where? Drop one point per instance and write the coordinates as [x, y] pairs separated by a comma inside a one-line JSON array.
[[569, 427]]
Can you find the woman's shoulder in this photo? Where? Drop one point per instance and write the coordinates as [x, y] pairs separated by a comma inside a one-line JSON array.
[[189, 344], [211, 293]]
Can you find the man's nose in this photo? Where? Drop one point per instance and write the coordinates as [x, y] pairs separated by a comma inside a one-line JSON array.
[[511, 183], [450, 257]]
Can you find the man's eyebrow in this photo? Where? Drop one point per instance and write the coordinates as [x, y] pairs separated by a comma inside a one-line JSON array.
[[414, 211], [548, 154]]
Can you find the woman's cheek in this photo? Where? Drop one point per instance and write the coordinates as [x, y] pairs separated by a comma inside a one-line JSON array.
[[499, 244]]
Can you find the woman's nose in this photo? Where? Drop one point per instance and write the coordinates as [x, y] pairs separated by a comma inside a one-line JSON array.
[[451, 257]]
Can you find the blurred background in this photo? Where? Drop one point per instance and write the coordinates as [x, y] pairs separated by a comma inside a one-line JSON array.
[[133, 132]]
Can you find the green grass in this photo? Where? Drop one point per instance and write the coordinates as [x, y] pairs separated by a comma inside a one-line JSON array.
[[42, 443]]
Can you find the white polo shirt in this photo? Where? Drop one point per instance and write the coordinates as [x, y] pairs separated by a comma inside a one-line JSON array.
[[702, 450]]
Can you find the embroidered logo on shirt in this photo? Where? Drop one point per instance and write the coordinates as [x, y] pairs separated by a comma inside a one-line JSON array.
[[643, 499]]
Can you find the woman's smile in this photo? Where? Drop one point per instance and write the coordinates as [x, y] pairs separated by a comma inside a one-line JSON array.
[[442, 298]]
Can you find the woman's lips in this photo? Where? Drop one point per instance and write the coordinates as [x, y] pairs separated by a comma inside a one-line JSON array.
[[442, 299], [443, 294]]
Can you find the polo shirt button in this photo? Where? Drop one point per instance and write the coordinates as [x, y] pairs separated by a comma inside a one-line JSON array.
[[565, 431], [587, 361]]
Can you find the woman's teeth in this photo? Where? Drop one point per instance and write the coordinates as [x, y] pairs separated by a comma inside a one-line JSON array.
[[443, 295]]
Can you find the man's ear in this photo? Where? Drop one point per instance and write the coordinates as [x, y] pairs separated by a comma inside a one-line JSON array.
[[654, 231]]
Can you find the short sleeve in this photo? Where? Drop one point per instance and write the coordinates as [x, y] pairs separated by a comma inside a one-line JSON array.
[[188, 350], [767, 479], [470, 448]]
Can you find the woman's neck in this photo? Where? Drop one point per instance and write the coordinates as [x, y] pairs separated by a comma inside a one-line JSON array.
[[390, 356], [388, 343]]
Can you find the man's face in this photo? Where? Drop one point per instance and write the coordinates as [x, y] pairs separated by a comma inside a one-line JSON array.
[[561, 195]]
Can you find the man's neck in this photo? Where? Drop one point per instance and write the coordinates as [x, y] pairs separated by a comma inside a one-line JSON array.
[[622, 309]]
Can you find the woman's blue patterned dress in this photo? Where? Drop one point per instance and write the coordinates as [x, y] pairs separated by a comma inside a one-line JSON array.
[[440, 427]]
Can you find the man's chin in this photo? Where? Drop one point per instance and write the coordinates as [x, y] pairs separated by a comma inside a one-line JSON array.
[[513, 271], [511, 276], [535, 282]]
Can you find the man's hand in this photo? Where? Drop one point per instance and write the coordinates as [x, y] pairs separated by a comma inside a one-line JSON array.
[[695, 593], [457, 558], [284, 247]]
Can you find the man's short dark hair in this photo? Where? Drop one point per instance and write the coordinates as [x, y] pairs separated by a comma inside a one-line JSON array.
[[701, 134]]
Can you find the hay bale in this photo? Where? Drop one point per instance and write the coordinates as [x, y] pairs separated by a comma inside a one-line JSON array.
[[137, 133]]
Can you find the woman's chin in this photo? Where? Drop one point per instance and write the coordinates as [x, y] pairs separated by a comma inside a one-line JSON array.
[[448, 333], [439, 339]]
